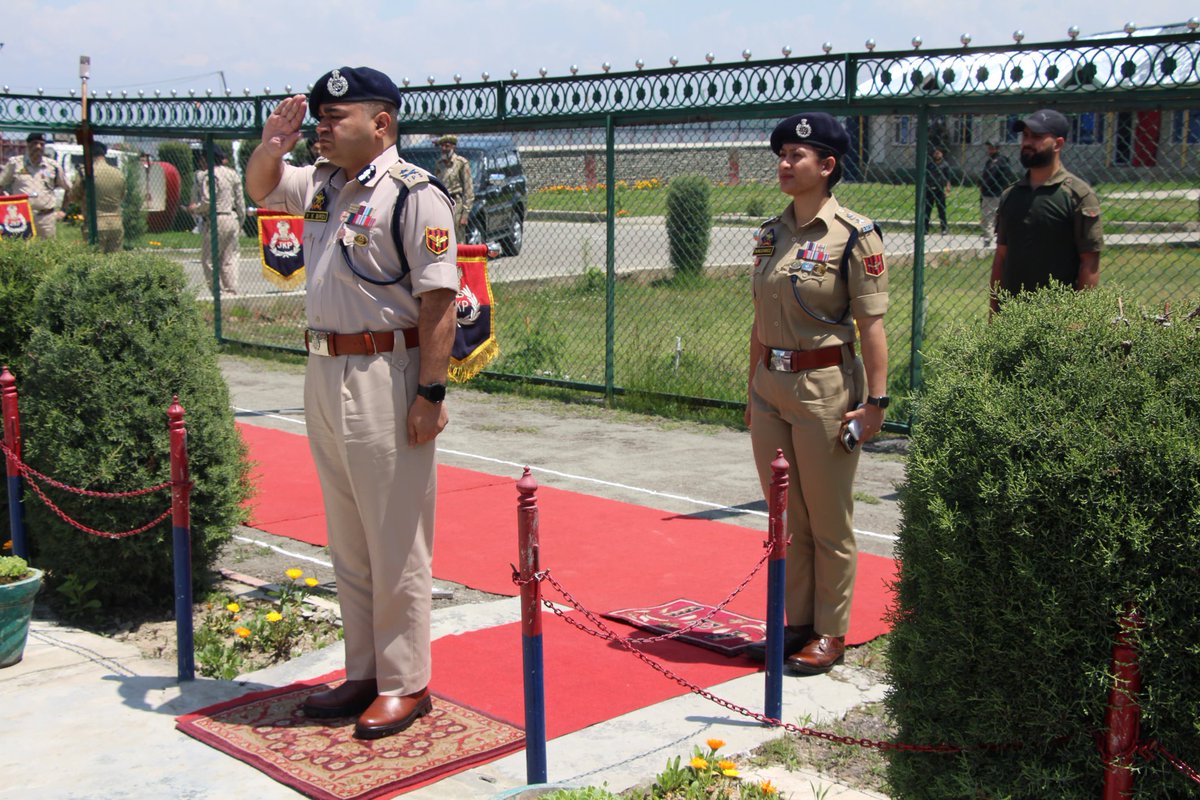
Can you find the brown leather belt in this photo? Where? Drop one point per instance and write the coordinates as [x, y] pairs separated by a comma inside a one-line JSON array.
[[799, 360], [325, 343]]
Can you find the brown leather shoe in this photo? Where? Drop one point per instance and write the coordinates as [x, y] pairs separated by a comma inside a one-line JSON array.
[[389, 714], [346, 700], [821, 654], [794, 638]]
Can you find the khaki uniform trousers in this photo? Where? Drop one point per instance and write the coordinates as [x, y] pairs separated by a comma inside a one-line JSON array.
[[227, 245], [379, 496], [110, 233], [801, 413], [46, 223]]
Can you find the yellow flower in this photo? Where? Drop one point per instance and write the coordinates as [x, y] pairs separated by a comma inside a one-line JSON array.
[[699, 763], [310, 582], [274, 616], [725, 765], [242, 632], [294, 573], [715, 744], [233, 608], [768, 788]]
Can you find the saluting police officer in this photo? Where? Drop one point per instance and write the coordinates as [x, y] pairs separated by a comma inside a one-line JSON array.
[[36, 176], [818, 269], [381, 325]]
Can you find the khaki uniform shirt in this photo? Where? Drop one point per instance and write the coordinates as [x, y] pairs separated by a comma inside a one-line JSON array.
[[338, 208], [802, 299], [455, 175], [110, 195], [1046, 230], [229, 192], [19, 176]]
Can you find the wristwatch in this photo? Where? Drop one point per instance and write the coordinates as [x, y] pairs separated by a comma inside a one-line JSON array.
[[433, 392], [882, 401]]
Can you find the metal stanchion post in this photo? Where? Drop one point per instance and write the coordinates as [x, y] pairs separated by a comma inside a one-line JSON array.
[[12, 438], [1124, 713], [776, 565], [531, 630], [181, 535]]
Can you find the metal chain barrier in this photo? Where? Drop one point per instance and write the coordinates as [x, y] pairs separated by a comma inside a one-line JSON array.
[[36, 476], [766, 556], [1150, 749]]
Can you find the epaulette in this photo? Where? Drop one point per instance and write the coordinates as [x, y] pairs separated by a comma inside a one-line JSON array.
[[407, 174], [862, 224]]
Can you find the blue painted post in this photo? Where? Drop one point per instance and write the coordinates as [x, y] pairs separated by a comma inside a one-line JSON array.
[[181, 536], [531, 631], [12, 438], [776, 566]]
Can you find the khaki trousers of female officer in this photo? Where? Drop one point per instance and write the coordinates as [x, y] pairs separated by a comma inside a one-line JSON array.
[[379, 503], [801, 414]]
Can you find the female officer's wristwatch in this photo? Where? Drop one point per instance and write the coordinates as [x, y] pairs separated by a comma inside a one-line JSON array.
[[433, 392], [882, 401]]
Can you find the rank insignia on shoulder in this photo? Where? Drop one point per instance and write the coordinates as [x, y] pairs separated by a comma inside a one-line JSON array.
[[407, 174], [366, 174], [767, 237], [873, 264], [437, 240]]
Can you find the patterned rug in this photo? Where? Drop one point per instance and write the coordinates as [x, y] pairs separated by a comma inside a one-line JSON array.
[[724, 631], [321, 759]]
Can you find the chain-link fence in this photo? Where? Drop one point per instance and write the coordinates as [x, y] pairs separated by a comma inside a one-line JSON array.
[[624, 237]]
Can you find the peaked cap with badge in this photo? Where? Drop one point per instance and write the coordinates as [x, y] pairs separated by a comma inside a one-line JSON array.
[[353, 85], [811, 127]]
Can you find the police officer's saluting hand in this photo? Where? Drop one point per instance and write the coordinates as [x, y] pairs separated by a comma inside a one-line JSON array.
[[819, 274]]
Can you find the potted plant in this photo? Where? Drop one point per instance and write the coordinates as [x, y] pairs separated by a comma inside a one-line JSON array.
[[19, 584]]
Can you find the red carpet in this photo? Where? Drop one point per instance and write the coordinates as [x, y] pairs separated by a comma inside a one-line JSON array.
[[610, 555], [321, 759]]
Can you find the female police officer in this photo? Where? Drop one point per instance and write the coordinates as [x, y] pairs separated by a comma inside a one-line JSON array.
[[818, 270]]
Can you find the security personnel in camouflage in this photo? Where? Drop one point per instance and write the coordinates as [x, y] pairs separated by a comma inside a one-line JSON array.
[[1048, 225], [454, 172], [820, 292], [37, 177]]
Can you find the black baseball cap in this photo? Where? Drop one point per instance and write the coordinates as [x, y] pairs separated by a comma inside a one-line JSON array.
[[1045, 120], [36, 137], [352, 85], [815, 128]]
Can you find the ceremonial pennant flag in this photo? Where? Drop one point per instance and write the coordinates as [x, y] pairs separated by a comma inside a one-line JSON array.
[[16, 217], [475, 344], [281, 237]]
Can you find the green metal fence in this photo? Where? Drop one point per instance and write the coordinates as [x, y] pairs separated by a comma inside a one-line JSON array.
[[593, 297]]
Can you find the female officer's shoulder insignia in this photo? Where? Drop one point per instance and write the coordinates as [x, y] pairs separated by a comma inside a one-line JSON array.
[[863, 224]]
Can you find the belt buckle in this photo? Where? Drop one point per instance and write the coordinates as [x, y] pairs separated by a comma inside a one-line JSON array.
[[318, 342], [781, 360]]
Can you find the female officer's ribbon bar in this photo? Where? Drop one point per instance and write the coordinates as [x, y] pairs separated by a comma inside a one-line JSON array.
[[475, 344], [281, 238], [16, 217]]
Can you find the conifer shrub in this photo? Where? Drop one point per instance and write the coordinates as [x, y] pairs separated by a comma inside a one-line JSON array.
[[1053, 480], [114, 338], [24, 263], [689, 223]]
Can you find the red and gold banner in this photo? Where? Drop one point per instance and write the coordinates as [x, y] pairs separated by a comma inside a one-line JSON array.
[[475, 344], [281, 239], [16, 217]]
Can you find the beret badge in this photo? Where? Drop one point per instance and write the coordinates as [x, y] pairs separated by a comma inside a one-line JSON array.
[[337, 85], [803, 129]]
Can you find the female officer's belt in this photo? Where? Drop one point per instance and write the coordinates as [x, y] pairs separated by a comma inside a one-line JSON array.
[[799, 360], [325, 343]]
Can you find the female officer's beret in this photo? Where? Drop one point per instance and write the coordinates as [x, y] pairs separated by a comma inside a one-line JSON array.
[[814, 127], [352, 85]]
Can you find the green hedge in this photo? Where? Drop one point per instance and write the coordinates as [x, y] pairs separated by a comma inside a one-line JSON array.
[[689, 223], [1053, 477], [113, 338]]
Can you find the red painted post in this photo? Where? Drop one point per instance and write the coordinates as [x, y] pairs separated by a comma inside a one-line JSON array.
[[1124, 713], [12, 438], [589, 170], [531, 630], [181, 535], [735, 167], [776, 574]]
